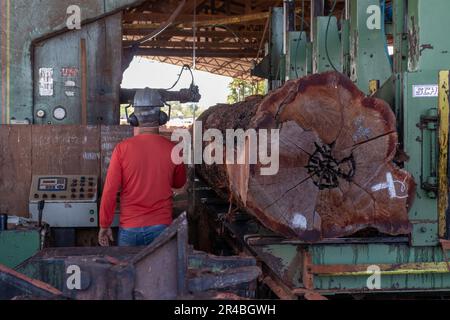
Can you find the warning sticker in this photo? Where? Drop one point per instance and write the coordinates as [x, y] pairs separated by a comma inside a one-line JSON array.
[[46, 82], [69, 72]]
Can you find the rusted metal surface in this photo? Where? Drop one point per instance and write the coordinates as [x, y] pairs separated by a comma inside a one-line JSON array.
[[159, 271], [90, 91], [24, 24], [224, 279], [280, 290], [307, 276], [309, 294], [445, 245], [166, 256], [385, 269], [13, 284]]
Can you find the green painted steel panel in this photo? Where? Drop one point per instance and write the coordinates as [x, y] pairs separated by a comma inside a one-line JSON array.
[[300, 62], [369, 56], [379, 254], [420, 145], [283, 259], [321, 63], [345, 47], [400, 37], [428, 25], [18, 246]]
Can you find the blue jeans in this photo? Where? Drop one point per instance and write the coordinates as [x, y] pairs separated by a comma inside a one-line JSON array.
[[136, 237]]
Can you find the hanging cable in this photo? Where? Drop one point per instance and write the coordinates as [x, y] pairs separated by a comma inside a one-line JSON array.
[[326, 35], [185, 67], [194, 48]]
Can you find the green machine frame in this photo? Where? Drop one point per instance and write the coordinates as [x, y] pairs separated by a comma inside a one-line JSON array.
[[18, 245], [416, 84]]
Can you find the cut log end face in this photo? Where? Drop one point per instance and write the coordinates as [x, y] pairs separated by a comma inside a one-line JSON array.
[[336, 172]]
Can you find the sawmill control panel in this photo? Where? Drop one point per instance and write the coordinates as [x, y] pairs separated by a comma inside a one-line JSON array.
[[69, 200]]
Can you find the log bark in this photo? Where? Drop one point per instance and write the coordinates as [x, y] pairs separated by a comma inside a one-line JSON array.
[[336, 172]]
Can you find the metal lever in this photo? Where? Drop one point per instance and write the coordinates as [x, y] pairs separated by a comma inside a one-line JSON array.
[[41, 205]]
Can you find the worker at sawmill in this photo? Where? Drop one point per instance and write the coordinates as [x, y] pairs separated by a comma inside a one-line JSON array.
[[142, 168]]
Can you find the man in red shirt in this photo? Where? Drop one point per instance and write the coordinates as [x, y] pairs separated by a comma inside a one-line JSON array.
[[142, 169]]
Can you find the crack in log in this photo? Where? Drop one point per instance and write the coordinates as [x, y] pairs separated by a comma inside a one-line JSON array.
[[293, 143], [371, 139], [287, 191]]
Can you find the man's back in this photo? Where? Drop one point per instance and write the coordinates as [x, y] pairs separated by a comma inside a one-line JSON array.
[[143, 168]]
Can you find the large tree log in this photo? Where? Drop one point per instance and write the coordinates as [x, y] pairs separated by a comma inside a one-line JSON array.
[[336, 174]]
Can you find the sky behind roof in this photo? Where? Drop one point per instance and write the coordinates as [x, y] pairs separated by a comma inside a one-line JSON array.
[[153, 74]]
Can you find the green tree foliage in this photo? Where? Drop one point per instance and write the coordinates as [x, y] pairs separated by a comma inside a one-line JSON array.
[[188, 110], [241, 89]]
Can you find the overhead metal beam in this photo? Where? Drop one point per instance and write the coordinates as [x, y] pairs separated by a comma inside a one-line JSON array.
[[190, 44], [136, 30], [161, 17], [200, 53], [231, 20], [192, 4]]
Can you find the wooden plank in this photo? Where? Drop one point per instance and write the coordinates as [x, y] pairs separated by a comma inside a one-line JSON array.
[[33, 150], [110, 136], [63, 150], [443, 150], [15, 169], [83, 64]]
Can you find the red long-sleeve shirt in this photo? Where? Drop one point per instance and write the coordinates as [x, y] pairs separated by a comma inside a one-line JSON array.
[[143, 168]]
